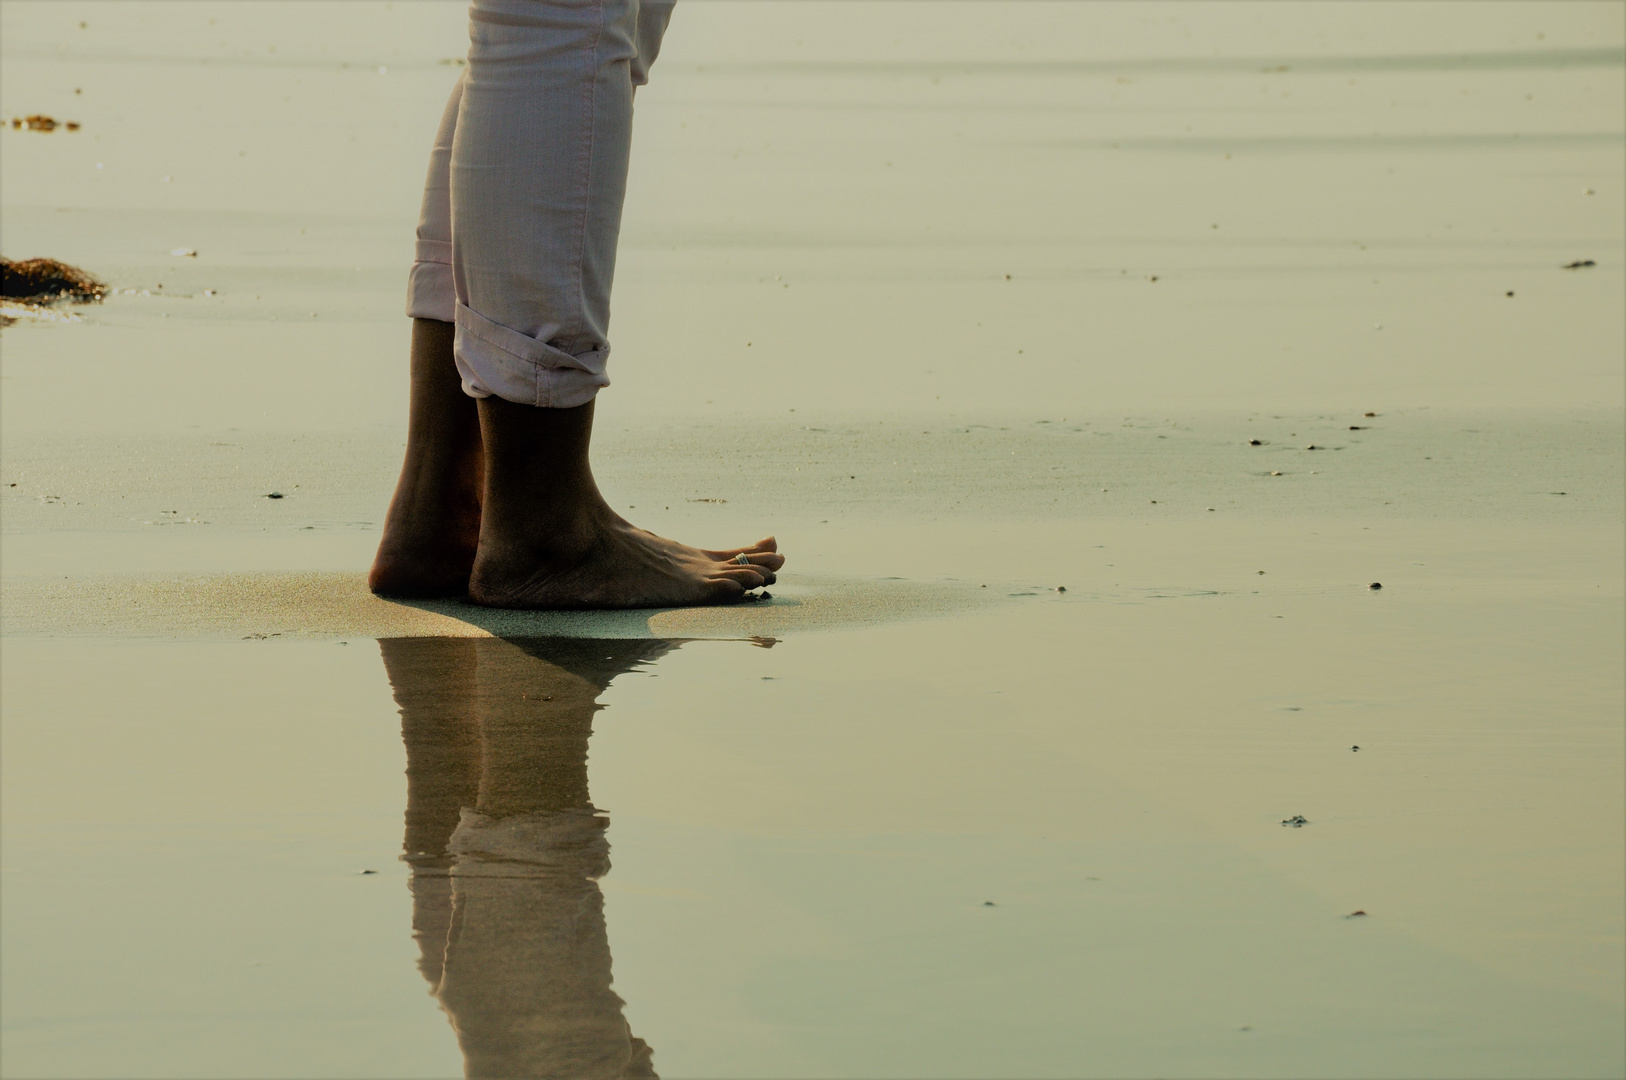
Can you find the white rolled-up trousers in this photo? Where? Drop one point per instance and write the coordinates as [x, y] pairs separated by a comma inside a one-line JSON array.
[[522, 208]]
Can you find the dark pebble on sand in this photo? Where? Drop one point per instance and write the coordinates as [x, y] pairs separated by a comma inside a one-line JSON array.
[[1579, 264], [276, 495], [369, 871], [988, 903], [1061, 588], [1369, 414], [1298, 821], [766, 595], [1357, 427], [1510, 292], [1376, 585], [1356, 915], [1255, 442]]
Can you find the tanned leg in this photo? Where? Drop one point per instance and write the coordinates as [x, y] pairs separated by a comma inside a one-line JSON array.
[[433, 524], [549, 540]]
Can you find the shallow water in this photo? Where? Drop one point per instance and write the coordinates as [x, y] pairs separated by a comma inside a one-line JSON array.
[[1078, 610], [806, 839]]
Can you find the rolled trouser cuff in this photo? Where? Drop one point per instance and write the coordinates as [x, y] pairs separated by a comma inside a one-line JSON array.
[[430, 292], [496, 361]]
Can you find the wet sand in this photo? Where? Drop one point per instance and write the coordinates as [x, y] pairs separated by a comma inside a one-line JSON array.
[[1004, 780]]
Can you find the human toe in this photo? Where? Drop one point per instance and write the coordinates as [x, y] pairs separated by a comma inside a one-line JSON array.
[[766, 544], [752, 577]]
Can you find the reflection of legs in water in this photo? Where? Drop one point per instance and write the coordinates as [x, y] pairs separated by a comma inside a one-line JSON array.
[[433, 681], [525, 976]]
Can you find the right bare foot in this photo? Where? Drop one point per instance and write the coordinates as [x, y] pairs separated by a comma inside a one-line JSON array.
[[610, 563], [549, 540]]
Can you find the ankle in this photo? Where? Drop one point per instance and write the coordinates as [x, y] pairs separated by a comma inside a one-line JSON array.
[[543, 530]]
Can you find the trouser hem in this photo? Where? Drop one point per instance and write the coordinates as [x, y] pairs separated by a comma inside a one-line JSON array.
[[496, 361], [430, 292]]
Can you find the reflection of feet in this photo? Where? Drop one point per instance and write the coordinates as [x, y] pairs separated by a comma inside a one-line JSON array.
[[607, 562]]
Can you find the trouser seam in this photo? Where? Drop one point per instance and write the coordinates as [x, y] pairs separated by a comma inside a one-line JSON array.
[[590, 118]]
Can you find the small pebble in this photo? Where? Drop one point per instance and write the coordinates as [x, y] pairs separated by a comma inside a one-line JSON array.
[[1061, 588], [369, 871], [1255, 442], [276, 495], [1369, 414], [766, 595], [1376, 585], [1297, 821], [1355, 915], [1510, 292], [1354, 748], [988, 903]]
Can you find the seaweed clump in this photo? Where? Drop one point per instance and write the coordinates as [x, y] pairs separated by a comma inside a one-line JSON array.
[[30, 288], [44, 281]]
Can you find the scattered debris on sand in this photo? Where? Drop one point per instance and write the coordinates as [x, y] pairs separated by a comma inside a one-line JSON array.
[[41, 122], [1579, 264]]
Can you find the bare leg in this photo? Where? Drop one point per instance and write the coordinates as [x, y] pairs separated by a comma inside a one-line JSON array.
[[549, 540], [433, 523]]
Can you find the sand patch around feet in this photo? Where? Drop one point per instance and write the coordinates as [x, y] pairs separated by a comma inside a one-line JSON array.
[[338, 605]]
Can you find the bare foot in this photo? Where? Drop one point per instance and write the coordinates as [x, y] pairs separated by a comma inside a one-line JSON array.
[[618, 565], [433, 525], [430, 538], [548, 539]]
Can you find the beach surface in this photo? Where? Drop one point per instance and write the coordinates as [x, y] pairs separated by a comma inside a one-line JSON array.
[[1204, 487]]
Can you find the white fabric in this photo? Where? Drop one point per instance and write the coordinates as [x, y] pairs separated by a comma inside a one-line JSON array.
[[522, 207]]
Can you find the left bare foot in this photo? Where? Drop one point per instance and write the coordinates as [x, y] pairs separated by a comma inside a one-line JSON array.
[[433, 525]]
